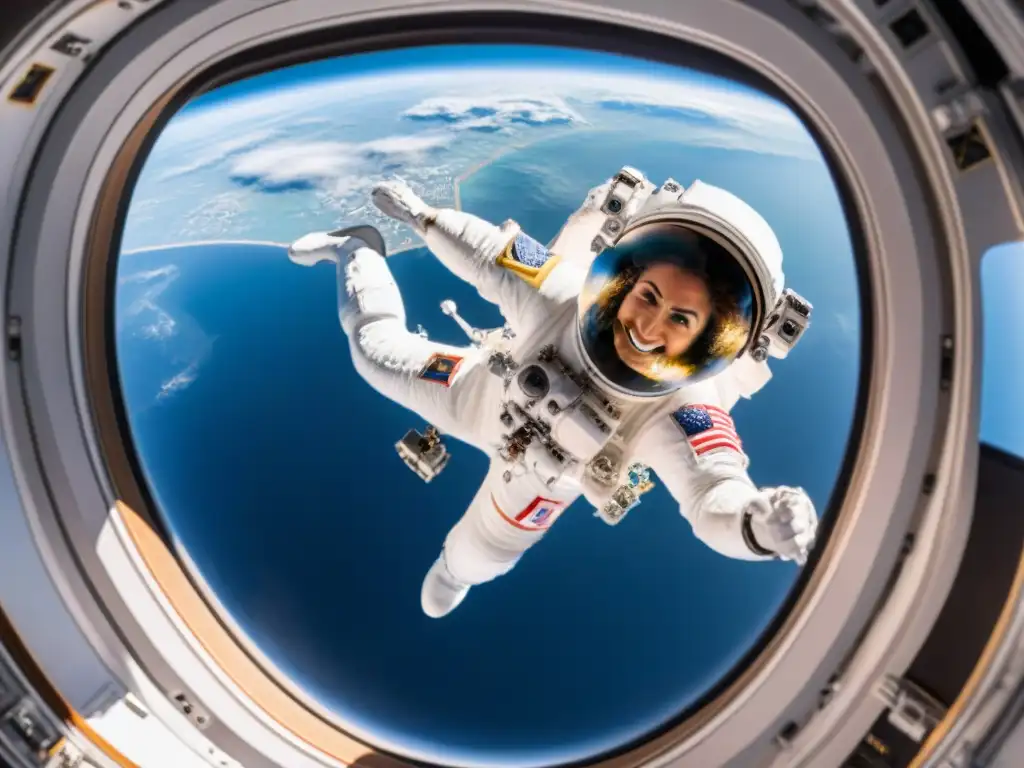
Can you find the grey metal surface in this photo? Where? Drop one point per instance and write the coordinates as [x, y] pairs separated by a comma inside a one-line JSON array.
[[924, 225]]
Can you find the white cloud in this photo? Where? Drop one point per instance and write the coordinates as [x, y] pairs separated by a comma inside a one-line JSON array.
[[187, 342], [179, 381], [348, 186], [402, 146], [214, 216], [217, 153], [737, 106], [494, 112], [715, 115], [148, 275], [544, 95], [163, 325], [288, 107], [330, 165], [218, 159], [162, 328], [280, 165]]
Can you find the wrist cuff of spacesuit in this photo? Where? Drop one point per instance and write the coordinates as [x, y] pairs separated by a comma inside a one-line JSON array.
[[426, 219], [750, 541]]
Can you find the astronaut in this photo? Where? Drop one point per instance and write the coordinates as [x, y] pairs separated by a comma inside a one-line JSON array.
[[627, 344]]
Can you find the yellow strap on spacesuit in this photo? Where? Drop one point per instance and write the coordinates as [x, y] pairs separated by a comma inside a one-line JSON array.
[[535, 276]]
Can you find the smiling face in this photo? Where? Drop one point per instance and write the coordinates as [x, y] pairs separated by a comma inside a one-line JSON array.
[[665, 310]]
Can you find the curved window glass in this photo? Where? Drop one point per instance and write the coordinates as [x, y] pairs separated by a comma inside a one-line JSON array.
[[1002, 374], [273, 460]]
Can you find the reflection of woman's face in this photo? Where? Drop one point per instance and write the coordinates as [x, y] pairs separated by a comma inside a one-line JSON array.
[[663, 313]]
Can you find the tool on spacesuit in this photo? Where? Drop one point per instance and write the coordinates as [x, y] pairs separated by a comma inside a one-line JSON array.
[[451, 309], [627, 192], [560, 425], [784, 328], [496, 339], [555, 420], [557, 423], [425, 454], [626, 496]]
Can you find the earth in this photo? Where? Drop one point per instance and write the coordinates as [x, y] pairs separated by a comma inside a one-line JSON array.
[[273, 463]]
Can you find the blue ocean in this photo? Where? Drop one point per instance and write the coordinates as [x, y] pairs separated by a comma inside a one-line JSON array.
[[274, 467]]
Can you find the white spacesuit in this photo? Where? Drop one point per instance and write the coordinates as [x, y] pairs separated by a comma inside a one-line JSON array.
[[627, 344]]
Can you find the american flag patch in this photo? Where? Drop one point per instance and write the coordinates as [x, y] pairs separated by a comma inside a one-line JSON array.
[[440, 368], [708, 428], [540, 514]]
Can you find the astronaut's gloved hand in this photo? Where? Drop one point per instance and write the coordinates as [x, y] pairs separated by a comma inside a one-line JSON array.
[[397, 200], [781, 522]]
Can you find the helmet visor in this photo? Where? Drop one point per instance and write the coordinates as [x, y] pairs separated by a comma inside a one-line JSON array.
[[666, 306]]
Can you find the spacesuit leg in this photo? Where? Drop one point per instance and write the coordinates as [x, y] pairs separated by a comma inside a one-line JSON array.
[[484, 545], [424, 376], [491, 536], [475, 551]]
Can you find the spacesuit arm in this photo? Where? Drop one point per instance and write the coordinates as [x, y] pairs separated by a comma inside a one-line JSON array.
[[712, 488], [507, 267], [698, 455]]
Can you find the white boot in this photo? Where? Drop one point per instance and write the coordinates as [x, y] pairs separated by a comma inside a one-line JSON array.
[[335, 246], [442, 592]]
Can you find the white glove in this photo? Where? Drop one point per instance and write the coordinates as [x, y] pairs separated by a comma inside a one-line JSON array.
[[783, 521], [397, 200]]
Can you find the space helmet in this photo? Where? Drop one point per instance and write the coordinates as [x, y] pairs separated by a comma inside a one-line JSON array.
[[681, 293]]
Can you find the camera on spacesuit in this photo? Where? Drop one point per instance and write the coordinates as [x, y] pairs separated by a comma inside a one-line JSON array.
[[785, 326], [628, 190], [577, 420], [425, 454], [624, 184], [626, 497], [551, 413]]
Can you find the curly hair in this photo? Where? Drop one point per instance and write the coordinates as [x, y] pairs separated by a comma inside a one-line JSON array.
[[728, 328]]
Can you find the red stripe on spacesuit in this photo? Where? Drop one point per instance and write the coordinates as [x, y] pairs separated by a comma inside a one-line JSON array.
[[552, 507], [708, 447], [509, 520], [714, 434], [724, 416], [722, 435]]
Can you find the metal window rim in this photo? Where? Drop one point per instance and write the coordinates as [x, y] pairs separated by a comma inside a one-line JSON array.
[[67, 493]]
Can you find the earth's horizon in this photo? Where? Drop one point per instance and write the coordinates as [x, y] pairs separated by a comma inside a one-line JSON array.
[[261, 444]]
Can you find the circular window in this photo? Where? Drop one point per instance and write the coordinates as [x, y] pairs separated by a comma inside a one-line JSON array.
[[273, 462]]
